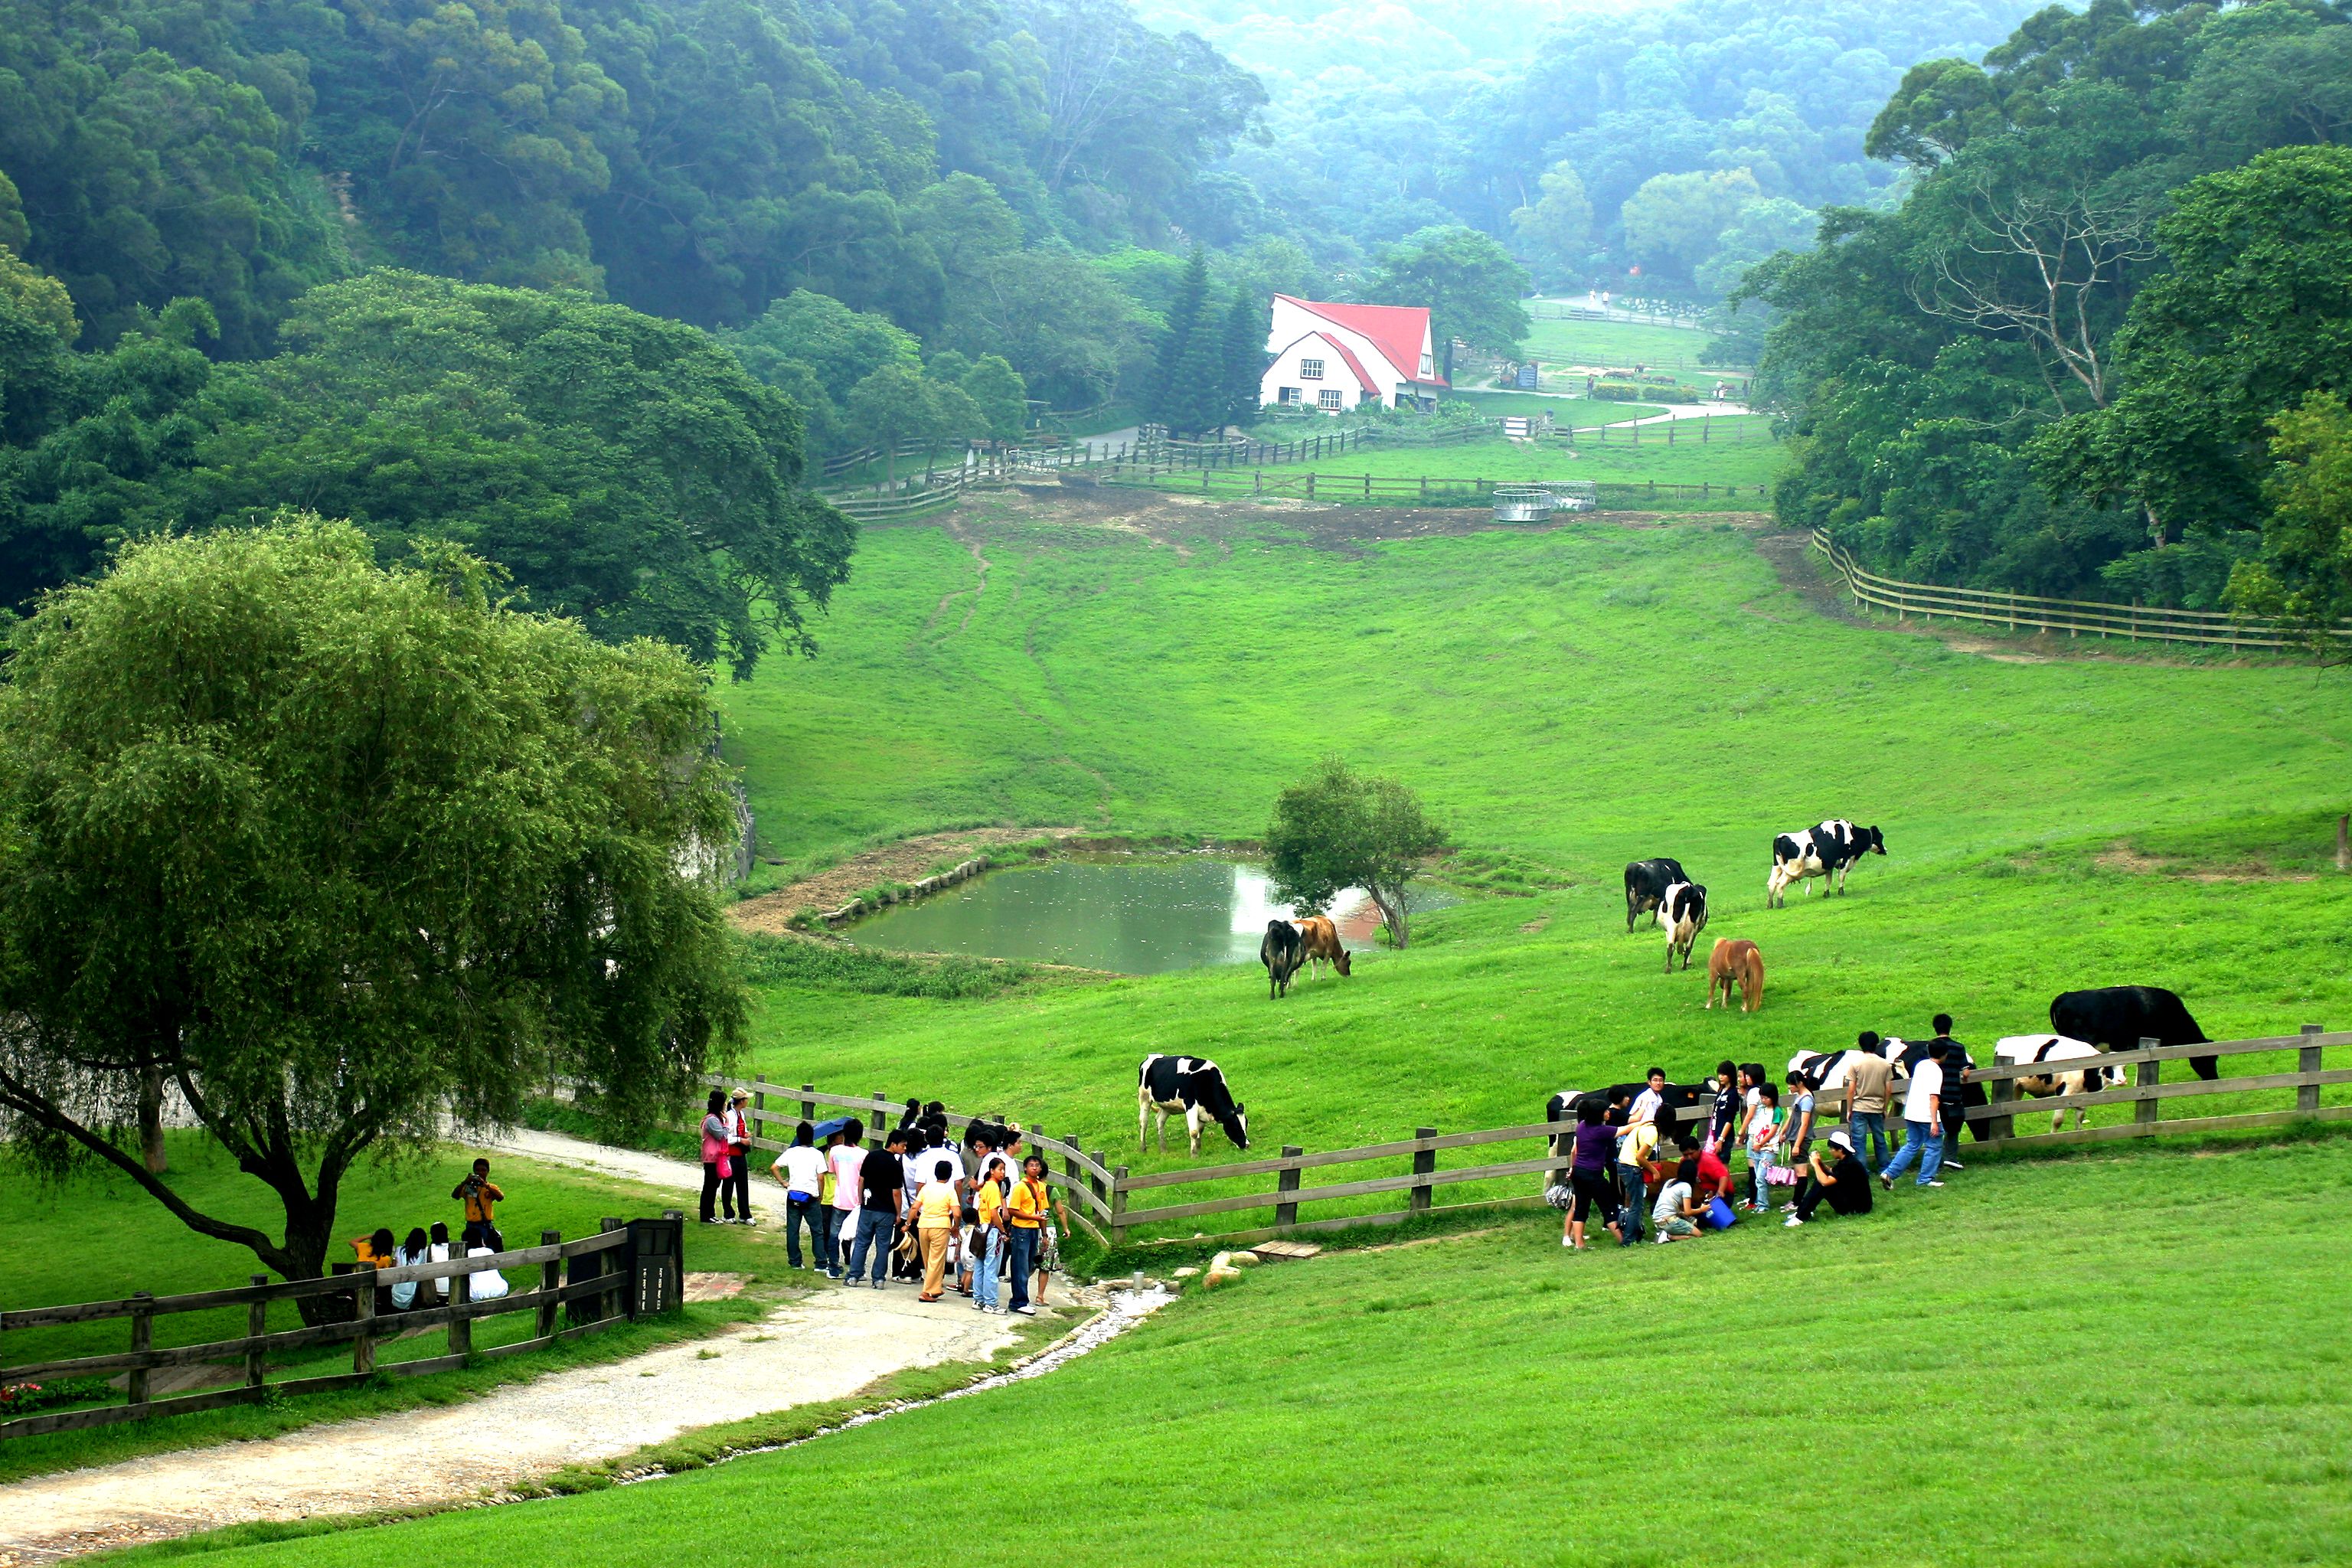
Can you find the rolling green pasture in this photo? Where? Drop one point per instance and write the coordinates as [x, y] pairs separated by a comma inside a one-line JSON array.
[[1565, 410], [2106, 1358], [1738, 450], [1616, 345]]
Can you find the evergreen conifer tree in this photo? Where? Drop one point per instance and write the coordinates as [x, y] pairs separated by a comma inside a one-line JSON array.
[[1199, 395], [1183, 319], [1243, 356]]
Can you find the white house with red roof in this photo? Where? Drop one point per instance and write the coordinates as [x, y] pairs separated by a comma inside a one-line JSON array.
[[1335, 357]]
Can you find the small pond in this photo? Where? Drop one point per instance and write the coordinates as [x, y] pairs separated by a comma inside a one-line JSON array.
[[1135, 914]]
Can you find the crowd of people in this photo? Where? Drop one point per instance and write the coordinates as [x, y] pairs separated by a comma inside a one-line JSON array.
[[478, 1198], [1625, 1165], [977, 1216]]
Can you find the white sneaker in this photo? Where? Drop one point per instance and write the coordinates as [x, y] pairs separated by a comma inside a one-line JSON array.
[[1791, 1223], [1931, 1183], [1567, 1241], [1026, 1311]]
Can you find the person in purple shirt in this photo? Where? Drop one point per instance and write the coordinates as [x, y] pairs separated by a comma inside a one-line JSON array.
[[1588, 1176]]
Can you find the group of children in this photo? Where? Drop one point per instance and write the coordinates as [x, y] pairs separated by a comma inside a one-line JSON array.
[[480, 1198], [924, 1207], [1620, 1157]]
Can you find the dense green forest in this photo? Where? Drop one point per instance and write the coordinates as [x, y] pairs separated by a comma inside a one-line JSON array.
[[2101, 345]]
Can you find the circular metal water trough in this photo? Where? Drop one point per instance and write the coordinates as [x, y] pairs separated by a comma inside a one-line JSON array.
[[1522, 503]]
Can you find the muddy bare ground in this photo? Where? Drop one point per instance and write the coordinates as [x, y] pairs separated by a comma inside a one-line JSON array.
[[907, 860]]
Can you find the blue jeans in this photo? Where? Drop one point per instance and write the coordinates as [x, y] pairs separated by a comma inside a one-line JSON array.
[[1028, 1243], [1629, 1181], [1919, 1143], [1757, 1165], [1868, 1131], [988, 1257], [806, 1211], [874, 1228]]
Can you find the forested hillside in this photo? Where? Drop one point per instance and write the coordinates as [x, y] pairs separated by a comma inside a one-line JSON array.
[[2102, 345]]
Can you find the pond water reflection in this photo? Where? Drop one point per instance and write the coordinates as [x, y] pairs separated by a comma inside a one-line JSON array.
[[1131, 913]]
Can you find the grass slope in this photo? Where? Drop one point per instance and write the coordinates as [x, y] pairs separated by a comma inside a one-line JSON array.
[[2042, 1363], [1615, 345]]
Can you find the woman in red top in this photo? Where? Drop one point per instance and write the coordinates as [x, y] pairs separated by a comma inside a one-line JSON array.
[[1712, 1177]]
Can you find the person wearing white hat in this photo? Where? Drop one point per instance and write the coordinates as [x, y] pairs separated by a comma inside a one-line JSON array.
[[1844, 1182]]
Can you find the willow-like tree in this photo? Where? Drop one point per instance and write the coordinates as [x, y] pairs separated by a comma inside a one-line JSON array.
[[1339, 830], [326, 850]]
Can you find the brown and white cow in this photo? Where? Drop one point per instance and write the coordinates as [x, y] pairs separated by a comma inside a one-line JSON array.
[[1321, 936], [2084, 1078]]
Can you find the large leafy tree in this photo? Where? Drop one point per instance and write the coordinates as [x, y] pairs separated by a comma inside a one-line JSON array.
[[324, 849], [2305, 572], [1337, 829], [1468, 281]]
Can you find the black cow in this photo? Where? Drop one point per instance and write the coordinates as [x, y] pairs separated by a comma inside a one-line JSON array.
[[1167, 1085], [1825, 851], [1646, 882], [2117, 1017], [1282, 949], [1682, 911], [1678, 1099]]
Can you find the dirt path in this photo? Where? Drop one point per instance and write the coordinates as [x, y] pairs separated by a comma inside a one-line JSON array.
[[824, 1347], [907, 860]]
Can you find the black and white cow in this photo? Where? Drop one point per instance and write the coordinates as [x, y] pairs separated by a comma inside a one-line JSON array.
[[1683, 1106], [2055, 1049], [1282, 949], [1646, 882], [1907, 1056], [1825, 851], [2119, 1018], [1826, 1070], [1170, 1085], [1682, 915]]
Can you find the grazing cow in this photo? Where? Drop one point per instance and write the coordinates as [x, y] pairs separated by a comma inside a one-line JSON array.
[[1282, 951], [1682, 915], [2083, 1078], [1736, 961], [1825, 1070], [1825, 851], [2117, 1017], [1646, 882], [1168, 1085], [1320, 936]]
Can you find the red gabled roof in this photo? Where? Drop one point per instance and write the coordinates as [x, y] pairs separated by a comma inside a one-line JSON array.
[[1398, 330], [1364, 380]]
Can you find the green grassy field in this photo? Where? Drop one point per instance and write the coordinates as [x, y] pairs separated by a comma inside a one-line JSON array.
[[1565, 410], [95, 1236], [1616, 345], [2042, 1363], [1738, 450]]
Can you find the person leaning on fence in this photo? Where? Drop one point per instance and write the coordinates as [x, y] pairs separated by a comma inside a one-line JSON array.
[[938, 1205], [1723, 1116], [417, 1250], [480, 1197], [437, 1250], [879, 1185], [1763, 1140], [800, 1170], [1026, 1210], [1923, 1124], [715, 1163], [845, 1164], [1868, 1079], [1589, 1182], [1844, 1179]]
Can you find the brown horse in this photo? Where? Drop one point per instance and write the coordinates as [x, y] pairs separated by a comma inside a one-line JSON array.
[[1735, 960]]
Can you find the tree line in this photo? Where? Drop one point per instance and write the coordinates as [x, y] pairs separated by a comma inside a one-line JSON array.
[[2100, 346]]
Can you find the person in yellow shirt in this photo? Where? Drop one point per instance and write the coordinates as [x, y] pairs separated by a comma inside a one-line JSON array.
[[1027, 1209], [987, 1248], [480, 1196], [937, 1208]]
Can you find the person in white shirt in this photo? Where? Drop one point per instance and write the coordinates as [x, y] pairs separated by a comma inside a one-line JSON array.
[[1676, 1214], [846, 1159], [1922, 1123], [415, 1250], [800, 1170], [1651, 1100], [1763, 1138]]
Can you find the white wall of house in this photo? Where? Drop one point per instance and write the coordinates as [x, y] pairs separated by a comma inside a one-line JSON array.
[[1312, 372]]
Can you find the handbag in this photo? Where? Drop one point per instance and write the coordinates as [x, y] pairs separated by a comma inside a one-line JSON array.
[[1719, 1214], [725, 1167]]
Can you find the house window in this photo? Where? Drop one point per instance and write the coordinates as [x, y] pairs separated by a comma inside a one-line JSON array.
[[1289, 395], [1311, 370], [1326, 398], [1427, 368]]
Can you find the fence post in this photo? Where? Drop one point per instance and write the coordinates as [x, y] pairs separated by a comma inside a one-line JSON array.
[[550, 1280], [2306, 1062], [256, 1323], [461, 1328], [2004, 1094], [874, 1128], [1424, 1163], [2144, 1112], [363, 1305], [1287, 1214], [609, 1299], [142, 1340], [1311, 484], [1097, 1182]]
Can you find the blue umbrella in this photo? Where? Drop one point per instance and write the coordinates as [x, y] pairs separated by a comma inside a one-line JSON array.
[[832, 1125]]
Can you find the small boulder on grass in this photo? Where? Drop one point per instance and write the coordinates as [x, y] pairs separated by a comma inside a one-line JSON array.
[[1187, 1274], [1217, 1278]]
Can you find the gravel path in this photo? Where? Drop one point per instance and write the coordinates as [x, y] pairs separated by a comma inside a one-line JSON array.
[[824, 1347]]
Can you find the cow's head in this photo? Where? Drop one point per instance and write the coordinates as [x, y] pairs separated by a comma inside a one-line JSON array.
[[1236, 1126], [1873, 841], [1342, 960]]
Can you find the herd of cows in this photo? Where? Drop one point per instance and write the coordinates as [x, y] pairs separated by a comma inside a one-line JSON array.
[[2082, 1024]]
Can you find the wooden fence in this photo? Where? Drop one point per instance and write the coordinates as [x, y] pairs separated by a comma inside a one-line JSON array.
[[599, 1289], [2029, 612], [1109, 1190], [1397, 489]]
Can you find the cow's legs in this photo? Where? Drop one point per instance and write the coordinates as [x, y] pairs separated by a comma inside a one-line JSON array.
[[1193, 1127], [1142, 1122]]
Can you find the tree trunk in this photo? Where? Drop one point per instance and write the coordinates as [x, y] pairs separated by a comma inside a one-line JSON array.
[[151, 1120], [1392, 915]]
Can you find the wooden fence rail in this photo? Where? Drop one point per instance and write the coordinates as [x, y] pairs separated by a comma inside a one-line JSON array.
[[1108, 1191], [599, 1290], [2029, 612]]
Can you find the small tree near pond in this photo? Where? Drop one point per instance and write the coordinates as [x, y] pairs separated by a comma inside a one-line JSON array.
[[329, 849], [1339, 830]]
